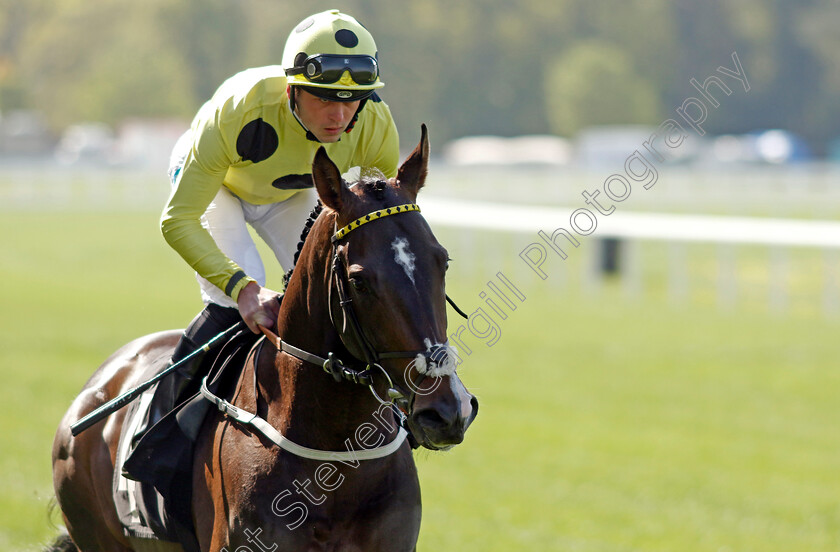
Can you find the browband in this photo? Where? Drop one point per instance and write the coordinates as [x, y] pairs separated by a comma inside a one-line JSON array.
[[376, 215]]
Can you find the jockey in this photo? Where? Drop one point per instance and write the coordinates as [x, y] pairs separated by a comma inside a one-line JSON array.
[[247, 160]]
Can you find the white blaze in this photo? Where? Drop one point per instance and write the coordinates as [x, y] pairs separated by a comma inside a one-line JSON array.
[[404, 257], [462, 395]]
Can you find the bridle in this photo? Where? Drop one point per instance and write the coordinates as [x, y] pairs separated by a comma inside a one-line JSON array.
[[352, 334], [401, 403]]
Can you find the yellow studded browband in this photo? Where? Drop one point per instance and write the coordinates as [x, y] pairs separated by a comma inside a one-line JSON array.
[[388, 211]]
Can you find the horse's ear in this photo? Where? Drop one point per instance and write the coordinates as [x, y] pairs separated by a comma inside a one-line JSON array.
[[327, 179], [412, 173]]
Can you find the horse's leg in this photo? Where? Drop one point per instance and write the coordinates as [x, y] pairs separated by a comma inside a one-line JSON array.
[[210, 505], [82, 471], [204, 515]]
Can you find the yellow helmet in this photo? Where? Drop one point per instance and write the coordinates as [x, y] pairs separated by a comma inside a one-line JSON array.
[[333, 56]]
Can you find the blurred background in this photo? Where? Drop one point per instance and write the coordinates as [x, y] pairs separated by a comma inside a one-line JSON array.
[[668, 391], [497, 68]]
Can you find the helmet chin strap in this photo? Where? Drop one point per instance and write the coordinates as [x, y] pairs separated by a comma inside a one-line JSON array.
[[356, 115], [292, 106], [309, 135]]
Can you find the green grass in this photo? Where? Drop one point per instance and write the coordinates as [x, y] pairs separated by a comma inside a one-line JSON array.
[[75, 287], [607, 423], [612, 426]]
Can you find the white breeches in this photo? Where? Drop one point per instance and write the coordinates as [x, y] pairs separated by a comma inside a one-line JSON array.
[[277, 224]]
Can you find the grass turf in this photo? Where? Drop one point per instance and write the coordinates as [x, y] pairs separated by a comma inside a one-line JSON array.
[[606, 423]]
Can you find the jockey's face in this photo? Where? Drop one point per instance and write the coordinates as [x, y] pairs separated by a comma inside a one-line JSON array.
[[327, 120]]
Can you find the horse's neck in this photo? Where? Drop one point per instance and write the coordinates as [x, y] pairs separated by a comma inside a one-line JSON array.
[[304, 401], [304, 319]]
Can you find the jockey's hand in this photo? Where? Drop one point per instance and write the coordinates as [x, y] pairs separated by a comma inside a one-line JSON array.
[[258, 306]]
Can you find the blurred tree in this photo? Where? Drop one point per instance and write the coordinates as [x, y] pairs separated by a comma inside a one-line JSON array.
[[818, 26], [15, 20], [209, 38], [490, 67], [779, 58], [597, 84], [113, 59]]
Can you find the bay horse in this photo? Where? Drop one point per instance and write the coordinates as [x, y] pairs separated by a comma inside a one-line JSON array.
[[304, 458]]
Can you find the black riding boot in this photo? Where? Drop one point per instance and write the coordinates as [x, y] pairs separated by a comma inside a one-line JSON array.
[[162, 455], [183, 382]]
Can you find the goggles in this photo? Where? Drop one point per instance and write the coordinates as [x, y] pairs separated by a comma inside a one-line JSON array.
[[328, 68]]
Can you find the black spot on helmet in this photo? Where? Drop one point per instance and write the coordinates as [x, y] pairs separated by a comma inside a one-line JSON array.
[[346, 38]]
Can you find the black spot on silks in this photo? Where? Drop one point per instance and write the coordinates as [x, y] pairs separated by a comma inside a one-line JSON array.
[[294, 182], [257, 141], [346, 38]]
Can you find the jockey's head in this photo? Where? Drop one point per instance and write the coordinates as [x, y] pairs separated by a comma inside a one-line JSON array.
[[332, 57]]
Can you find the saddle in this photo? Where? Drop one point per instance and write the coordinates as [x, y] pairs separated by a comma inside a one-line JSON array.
[[155, 501]]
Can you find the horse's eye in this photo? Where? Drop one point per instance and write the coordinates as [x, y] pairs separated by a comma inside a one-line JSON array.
[[358, 284], [446, 266]]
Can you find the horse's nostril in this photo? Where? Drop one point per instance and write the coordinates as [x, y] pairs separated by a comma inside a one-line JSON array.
[[474, 405], [430, 418]]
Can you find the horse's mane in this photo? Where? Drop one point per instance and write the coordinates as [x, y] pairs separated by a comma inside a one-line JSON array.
[[373, 183]]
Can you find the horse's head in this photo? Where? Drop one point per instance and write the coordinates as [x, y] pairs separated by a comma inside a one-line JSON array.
[[386, 295]]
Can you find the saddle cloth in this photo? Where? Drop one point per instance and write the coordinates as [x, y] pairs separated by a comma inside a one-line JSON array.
[[158, 508], [140, 507]]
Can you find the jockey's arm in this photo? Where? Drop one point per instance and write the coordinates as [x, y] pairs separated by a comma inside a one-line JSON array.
[[201, 178]]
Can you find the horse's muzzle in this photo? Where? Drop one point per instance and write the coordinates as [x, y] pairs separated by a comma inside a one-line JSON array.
[[440, 420]]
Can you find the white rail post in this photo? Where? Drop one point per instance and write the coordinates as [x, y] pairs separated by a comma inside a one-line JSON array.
[[727, 284], [831, 281], [678, 284], [779, 279]]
